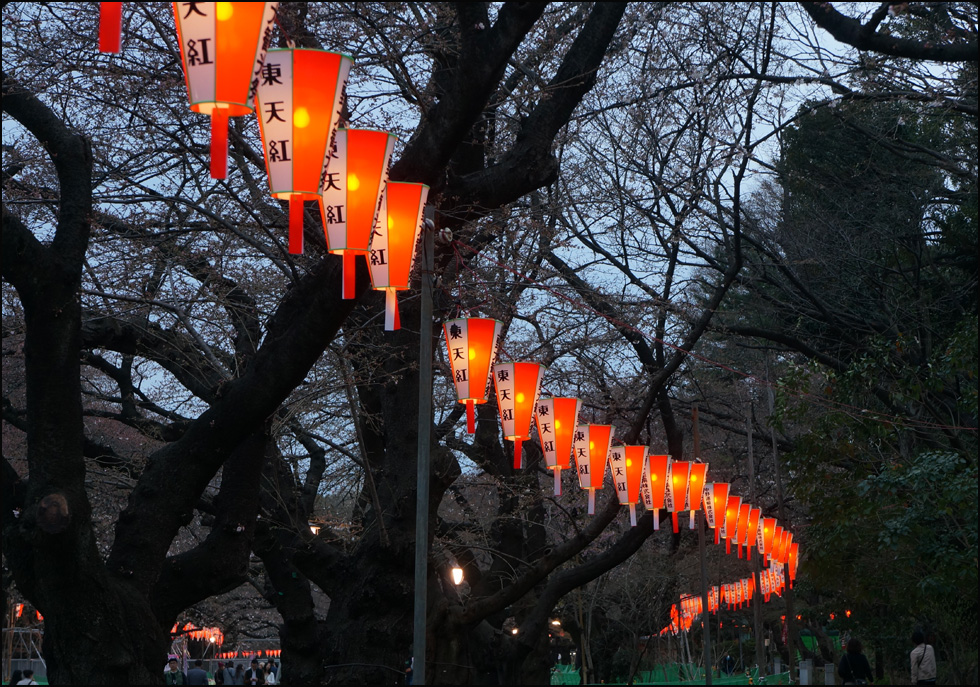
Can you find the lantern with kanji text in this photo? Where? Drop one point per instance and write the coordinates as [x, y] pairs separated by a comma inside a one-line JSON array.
[[351, 191], [592, 444], [556, 418], [517, 386], [626, 465], [223, 47], [472, 344], [298, 103], [394, 241], [653, 487]]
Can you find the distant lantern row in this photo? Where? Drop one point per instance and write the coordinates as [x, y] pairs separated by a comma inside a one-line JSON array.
[[298, 95], [735, 595], [472, 344]]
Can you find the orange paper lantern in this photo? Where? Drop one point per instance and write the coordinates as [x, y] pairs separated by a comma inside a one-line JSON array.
[[794, 561], [517, 386], [731, 520], [556, 419], [752, 531], [472, 344], [695, 488], [393, 245], [110, 26], [591, 449], [298, 102], [768, 533], [715, 501], [654, 485], [223, 47], [626, 464], [351, 193], [777, 539], [741, 527], [677, 489]]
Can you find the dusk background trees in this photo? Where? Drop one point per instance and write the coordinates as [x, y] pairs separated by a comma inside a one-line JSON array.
[[625, 184]]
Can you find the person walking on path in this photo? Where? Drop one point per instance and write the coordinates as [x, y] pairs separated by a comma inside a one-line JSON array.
[[174, 676], [197, 675], [854, 668], [923, 659]]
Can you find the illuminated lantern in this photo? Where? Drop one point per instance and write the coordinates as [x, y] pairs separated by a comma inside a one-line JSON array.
[[777, 539], [654, 483], [741, 527], [556, 419], [768, 532], [472, 344], [591, 448], [517, 386], [222, 47], [351, 193], [679, 473], [794, 560], [695, 488], [731, 520], [784, 544], [715, 502], [626, 464], [298, 104], [393, 245], [110, 26], [752, 533]]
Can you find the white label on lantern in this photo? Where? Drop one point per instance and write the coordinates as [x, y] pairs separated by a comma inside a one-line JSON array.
[[760, 535], [617, 465], [265, 42], [669, 489], [544, 415], [503, 381], [274, 108], [586, 479], [379, 259], [709, 504], [646, 493], [199, 38], [333, 193]]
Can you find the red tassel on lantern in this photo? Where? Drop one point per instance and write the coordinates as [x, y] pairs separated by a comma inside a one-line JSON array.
[[110, 26]]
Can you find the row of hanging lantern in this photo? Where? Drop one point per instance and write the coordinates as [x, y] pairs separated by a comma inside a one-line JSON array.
[[472, 344], [297, 95], [734, 594]]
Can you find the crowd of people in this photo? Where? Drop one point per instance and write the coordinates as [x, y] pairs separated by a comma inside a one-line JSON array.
[[228, 673]]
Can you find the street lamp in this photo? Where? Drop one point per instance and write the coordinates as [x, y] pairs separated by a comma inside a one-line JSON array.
[[457, 575]]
